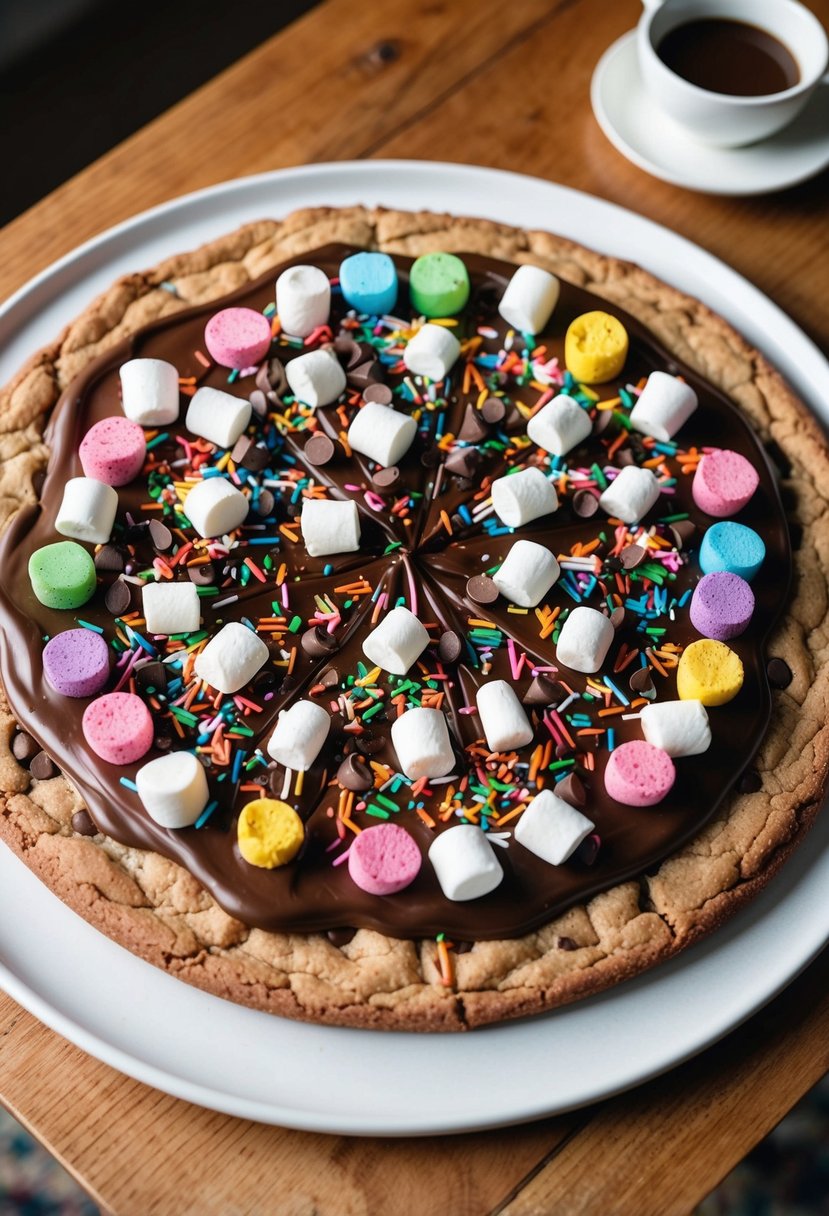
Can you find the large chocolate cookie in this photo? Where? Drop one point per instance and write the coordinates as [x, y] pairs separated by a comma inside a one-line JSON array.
[[161, 912]]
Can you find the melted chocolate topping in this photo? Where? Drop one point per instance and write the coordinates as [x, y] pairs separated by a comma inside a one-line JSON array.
[[400, 553]]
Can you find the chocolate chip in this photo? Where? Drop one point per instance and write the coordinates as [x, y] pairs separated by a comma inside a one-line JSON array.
[[24, 747], [683, 532], [365, 374], [641, 680], [241, 448], [585, 504], [450, 646], [355, 774], [370, 742], [463, 462], [632, 556], [384, 479], [318, 642], [82, 824], [111, 558], [118, 597], [617, 618], [152, 675], [347, 350], [588, 850], [276, 780], [203, 574], [161, 536], [319, 450], [571, 789], [42, 767], [271, 378], [473, 429], [256, 458], [259, 403], [340, 937], [750, 782], [265, 681], [624, 458], [779, 673], [381, 394], [265, 503], [515, 422], [566, 943], [493, 411], [544, 691], [462, 947], [329, 678], [481, 589]]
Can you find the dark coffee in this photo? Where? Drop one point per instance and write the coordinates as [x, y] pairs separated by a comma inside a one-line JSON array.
[[727, 56]]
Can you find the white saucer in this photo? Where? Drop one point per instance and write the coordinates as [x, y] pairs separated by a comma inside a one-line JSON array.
[[654, 142]]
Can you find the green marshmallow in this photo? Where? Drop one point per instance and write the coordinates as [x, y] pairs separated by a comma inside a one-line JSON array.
[[62, 575], [438, 285]]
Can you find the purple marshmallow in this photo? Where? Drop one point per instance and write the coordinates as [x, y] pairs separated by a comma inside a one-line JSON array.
[[76, 663], [722, 605]]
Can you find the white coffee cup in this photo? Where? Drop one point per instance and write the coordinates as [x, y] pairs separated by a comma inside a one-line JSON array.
[[722, 119]]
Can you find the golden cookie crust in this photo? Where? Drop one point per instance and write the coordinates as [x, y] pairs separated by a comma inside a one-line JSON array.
[[157, 910]]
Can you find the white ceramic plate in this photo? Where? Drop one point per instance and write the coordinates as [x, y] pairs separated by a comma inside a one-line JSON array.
[[201, 1048], [655, 143]]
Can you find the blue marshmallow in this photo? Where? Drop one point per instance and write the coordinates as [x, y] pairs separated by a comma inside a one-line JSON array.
[[369, 283], [732, 547]]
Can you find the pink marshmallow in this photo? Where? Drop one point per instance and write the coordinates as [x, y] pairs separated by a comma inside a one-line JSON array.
[[639, 774], [76, 662], [723, 483], [118, 727], [384, 859], [113, 451], [238, 337]]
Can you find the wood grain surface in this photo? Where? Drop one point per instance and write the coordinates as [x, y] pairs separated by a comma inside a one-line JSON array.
[[489, 83]]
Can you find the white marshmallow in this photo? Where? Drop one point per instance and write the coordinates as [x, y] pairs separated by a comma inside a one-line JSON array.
[[316, 378], [231, 658], [464, 862], [173, 789], [219, 417], [585, 638], [420, 738], [680, 728], [527, 573], [631, 494], [397, 642], [522, 497], [303, 299], [171, 607], [214, 507], [432, 352], [506, 725], [299, 735], [560, 425], [381, 433], [329, 526], [664, 404], [529, 300], [87, 510], [149, 391], [551, 828]]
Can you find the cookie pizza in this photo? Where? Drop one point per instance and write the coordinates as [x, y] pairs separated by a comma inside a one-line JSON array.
[[407, 622]]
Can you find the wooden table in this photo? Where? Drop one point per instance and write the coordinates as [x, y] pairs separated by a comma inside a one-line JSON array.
[[487, 83]]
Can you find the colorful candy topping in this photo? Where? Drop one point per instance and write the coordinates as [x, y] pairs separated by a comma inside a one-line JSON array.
[[323, 594]]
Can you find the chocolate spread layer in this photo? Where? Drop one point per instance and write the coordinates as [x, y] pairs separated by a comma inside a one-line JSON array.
[[424, 555]]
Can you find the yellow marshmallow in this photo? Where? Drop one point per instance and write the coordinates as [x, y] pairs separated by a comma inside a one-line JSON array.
[[595, 347], [709, 672], [269, 833]]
